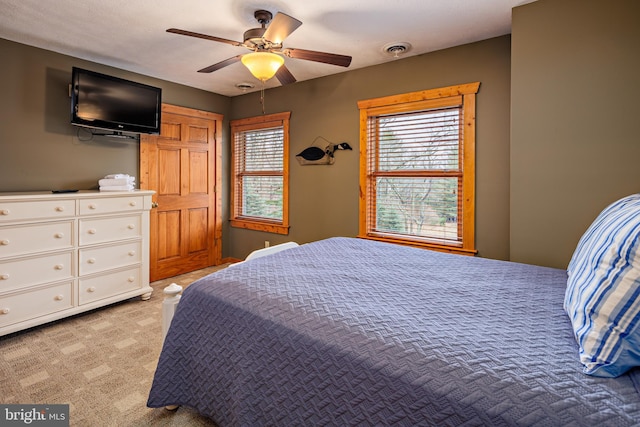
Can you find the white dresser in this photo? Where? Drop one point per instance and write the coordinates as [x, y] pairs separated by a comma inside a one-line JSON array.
[[62, 254]]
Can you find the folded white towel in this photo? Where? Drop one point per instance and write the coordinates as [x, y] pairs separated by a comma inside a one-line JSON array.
[[118, 175], [129, 187], [116, 181]]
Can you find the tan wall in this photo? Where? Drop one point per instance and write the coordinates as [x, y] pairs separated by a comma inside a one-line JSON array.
[[39, 149], [574, 127], [324, 199]]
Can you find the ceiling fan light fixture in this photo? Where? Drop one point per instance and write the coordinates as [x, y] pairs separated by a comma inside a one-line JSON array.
[[263, 65]]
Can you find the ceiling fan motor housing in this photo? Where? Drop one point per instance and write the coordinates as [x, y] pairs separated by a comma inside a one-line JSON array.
[[253, 37]]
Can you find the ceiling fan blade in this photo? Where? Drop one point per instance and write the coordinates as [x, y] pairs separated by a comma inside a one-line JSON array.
[[280, 27], [203, 36], [284, 76], [311, 55], [222, 64]]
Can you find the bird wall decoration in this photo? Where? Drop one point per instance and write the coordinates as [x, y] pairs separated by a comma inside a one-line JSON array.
[[317, 156]]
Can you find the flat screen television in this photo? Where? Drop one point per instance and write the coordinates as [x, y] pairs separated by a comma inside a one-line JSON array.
[[111, 103]]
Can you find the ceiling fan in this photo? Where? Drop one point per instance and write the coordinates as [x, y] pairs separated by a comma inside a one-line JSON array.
[[266, 44]]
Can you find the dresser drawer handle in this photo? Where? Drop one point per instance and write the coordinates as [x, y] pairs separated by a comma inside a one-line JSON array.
[[131, 226], [132, 253], [59, 208], [91, 289], [4, 276], [91, 231], [131, 279], [4, 211], [91, 261], [58, 235], [4, 310], [92, 206], [58, 297], [132, 204], [58, 267], [4, 242]]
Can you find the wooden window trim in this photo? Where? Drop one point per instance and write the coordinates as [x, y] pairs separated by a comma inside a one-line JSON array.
[[464, 95], [251, 223]]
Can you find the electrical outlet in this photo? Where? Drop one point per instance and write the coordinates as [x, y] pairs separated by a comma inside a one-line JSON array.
[[267, 243]]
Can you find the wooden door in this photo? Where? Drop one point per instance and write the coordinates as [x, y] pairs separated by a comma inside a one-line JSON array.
[[183, 166]]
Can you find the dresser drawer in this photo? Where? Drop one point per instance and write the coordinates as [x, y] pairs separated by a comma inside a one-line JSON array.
[[111, 205], [109, 285], [22, 306], [39, 209], [93, 260], [100, 230], [23, 272], [31, 238]]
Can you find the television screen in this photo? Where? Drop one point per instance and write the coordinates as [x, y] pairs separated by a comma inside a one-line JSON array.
[[106, 102]]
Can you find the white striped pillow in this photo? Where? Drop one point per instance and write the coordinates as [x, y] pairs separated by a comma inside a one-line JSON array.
[[603, 290]]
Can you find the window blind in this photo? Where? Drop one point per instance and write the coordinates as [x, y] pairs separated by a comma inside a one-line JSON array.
[[419, 141], [259, 169], [415, 168]]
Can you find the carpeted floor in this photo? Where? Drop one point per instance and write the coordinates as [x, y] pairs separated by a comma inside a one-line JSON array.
[[101, 363]]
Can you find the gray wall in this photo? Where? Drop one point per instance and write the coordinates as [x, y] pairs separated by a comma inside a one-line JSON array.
[[39, 149], [574, 126], [324, 199]]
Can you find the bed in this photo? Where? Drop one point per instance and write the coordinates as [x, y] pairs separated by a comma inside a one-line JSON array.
[[347, 331]]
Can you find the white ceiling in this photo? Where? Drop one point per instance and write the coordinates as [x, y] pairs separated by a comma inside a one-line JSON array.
[[131, 34]]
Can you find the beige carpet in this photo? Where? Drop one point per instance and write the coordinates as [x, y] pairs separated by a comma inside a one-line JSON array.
[[101, 363]]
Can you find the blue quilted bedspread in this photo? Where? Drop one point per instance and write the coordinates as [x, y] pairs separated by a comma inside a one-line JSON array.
[[346, 332]]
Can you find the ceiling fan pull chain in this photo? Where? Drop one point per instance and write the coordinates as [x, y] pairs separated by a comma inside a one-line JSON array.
[[262, 97]]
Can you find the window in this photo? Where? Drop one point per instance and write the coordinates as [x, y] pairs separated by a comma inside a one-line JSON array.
[[417, 168], [260, 173]]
